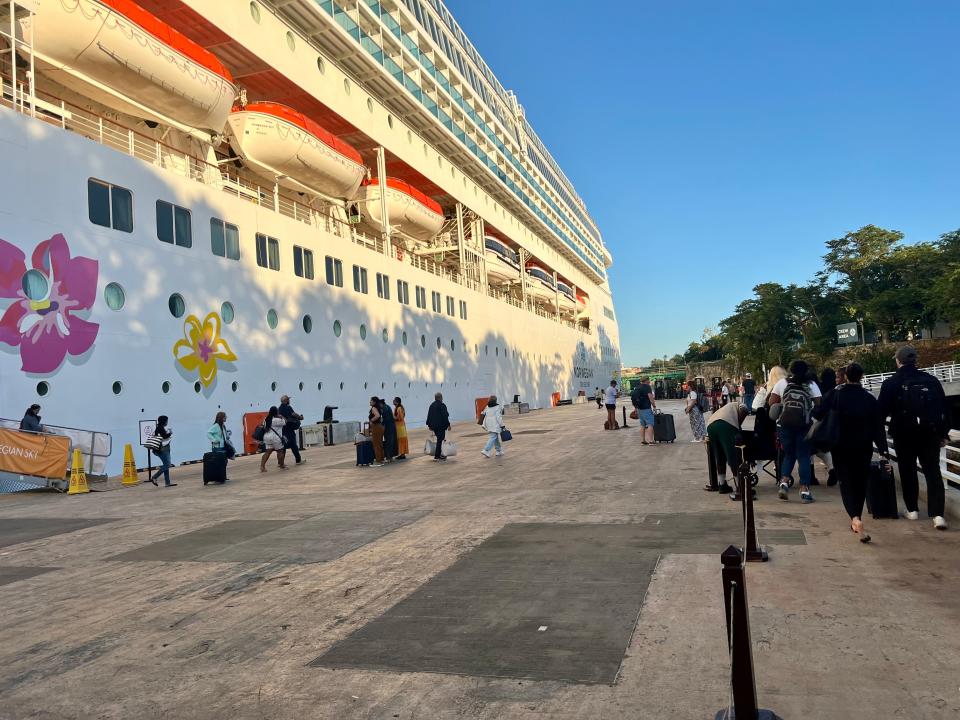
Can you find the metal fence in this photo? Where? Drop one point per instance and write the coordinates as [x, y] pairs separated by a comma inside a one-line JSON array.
[[944, 372], [95, 447]]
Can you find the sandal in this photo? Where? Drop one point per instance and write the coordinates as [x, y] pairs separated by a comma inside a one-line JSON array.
[[864, 536]]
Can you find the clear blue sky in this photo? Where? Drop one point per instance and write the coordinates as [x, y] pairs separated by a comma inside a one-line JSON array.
[[720, 144]]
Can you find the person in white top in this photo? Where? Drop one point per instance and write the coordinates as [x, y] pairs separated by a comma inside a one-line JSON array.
[[610, 401], [492, 421], [697, 425], [796, 397]]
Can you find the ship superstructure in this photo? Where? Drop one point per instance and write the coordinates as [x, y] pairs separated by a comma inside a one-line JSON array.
[[212, 202]]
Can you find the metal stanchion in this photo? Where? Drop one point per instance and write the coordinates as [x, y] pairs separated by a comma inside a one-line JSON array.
[[624, 418], [743, 686]]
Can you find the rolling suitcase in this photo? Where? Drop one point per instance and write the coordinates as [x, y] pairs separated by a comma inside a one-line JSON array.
[[214, 467], [365, 455], [882, 491], [663, 429]]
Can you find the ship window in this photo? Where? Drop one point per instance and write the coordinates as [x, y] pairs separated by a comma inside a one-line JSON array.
[[114, 296], [272, 318], [383, 286], [255, 12], [234, 385], [117, 387], [227, 313], [390, 121], [369, 104], [450, 306], [302, 262], [321, 65], [42, 388], [176, 305], [307, 326], [435, 300], [421, 294], [360, 279], [404, 337], [224, 239], [337, 329], [165, 387], [174, 224], [346, 85], [423, 341], [268, 251], [403, 292], [453, 345], [291, 41], [273, 386], [385, 335], [363, 332], [439, 343], [463, 309], [110, 205], [334, 269]]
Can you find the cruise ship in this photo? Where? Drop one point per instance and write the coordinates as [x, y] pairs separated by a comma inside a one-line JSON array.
[[209, 203]]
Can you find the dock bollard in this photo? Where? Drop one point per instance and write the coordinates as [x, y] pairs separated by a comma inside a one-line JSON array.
[[743, 685]]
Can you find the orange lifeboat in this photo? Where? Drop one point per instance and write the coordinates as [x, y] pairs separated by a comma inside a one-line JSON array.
[[119, 54], [284, 143], [410, 211]]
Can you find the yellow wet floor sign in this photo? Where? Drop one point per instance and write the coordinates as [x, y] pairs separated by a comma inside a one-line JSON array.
[[78, 478], [129, 466]]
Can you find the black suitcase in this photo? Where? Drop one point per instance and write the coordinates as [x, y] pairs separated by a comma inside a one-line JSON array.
[[214, 467], [663, 429], [365, 455], [882, 491]]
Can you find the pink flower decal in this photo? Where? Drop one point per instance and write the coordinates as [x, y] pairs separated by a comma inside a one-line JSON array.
[[42, 319]]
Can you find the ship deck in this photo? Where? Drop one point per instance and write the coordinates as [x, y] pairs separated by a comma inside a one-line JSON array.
[[576, 577]]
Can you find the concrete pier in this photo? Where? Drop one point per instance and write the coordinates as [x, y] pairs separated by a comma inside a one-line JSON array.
[[577, 577]]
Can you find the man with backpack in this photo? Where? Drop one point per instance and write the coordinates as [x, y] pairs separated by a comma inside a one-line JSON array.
[[916, 405], [792, 401]]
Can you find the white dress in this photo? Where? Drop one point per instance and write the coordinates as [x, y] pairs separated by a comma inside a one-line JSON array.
[[273, 437]]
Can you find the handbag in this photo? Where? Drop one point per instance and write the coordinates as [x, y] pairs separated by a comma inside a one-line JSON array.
[[430, 445], [258, 432], [153, 443], [634, 415], [505, 435], [449, 448], [825, 433]]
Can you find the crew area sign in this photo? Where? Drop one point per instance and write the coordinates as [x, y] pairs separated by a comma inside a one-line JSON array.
[[847, 334]]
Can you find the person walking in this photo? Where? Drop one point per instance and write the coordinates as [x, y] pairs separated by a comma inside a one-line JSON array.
[[749, 391], [291, 427], [376, 429], [722, 430], [777, 373], [697, 425], [219, 437], [724, 393], [31, 419], [598, 396], [796, 397], [610, 401], [400, 418], [917, 407], [859, 430], [165, 434], [389, 431], [645, 402], [438, 420], [492, 421], [273, 440]]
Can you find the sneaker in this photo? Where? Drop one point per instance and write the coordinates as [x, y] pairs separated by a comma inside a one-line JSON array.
[[912, 515], [806, 497], [500, 453], [170, 484], [940, 523], [485, 454], [782, 491], [831, 477]]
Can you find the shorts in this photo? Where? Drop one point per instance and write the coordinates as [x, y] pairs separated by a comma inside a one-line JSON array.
[[612, 407], [645, 417]]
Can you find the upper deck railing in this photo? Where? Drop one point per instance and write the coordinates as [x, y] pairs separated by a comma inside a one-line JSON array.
[[61, 113], [944, 372]]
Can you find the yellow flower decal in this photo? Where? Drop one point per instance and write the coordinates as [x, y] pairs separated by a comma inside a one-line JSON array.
[[202, 346]]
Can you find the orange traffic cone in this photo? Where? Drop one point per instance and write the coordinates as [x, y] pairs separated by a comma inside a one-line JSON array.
[[78, 478]]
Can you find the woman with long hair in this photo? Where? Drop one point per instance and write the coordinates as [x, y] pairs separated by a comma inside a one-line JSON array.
[[163, 431], [697, 426], [400, 419], [376, 429], [273, 441]]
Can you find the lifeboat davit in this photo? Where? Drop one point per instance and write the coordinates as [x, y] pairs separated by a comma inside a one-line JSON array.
[[153, 71], [286, 144], [540, 285], [410, 211], [503, 265]]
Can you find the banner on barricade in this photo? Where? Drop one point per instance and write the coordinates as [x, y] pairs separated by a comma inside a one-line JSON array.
[[37, 454]]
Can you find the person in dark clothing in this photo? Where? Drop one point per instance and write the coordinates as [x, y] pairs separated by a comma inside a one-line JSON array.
[[917, 407], [860, 429], [389, 431], [291, 427], [438, 420], [31, 419], [828, 380], [162, 430], [749, 391]]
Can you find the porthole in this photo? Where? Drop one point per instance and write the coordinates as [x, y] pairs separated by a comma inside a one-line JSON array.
[[383, 385], [227, 313], [409, 384], [197, 387], [114, 296], [453, 172], [439, 344], [319, 386], [176, 305], [409, 136], [390, 121], [165, 387], [321, 65], [363, 332], [369, 105], [341, 386], [486, 349], [364, 386], [384, 335], [300, 386], [346, 85], [423, 341], [273, 387], [117, 387], [337, 329], [291, 41], [255, 12], [307, 324], [453, 345], [272, 318], [234, 385], [404, 337], [42, 388], [439, 161], [425, 153], [496, 351]]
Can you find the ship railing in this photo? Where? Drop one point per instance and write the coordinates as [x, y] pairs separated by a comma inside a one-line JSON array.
[[944, 372], [68, 116], [95, 446]]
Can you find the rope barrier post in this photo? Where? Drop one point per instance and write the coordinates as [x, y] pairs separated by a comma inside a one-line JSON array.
[[751, 548], [624, 418], [743, 685]]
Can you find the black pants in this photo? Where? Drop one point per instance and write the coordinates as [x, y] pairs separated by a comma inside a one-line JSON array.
[[290, 442], [927, 451], [852, 466], [723, 444], [441, 434]]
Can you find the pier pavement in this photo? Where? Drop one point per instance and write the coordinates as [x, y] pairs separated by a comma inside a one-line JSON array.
[[578, 577]]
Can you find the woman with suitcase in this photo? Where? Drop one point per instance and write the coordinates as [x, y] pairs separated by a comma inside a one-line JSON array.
[[221, 450]]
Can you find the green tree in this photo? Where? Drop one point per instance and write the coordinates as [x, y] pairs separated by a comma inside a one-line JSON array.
[[763, 329]]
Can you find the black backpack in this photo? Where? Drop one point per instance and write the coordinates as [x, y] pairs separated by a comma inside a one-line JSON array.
[[920, 404], [797, 405]]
